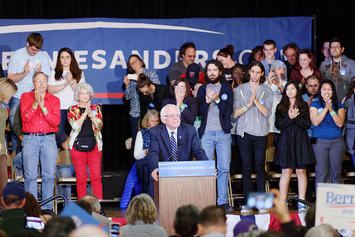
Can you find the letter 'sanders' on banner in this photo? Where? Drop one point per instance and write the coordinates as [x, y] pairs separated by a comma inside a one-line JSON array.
[[102, 45]]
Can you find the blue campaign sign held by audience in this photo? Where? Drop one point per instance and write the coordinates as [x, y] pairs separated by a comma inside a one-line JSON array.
[[80, 216], [102, 45]]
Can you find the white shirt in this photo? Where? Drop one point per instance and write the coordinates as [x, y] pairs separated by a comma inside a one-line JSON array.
[[175, 133], [139, 152], [66, 96]]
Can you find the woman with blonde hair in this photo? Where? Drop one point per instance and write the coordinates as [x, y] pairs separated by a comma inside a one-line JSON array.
[[141, 215], [141, 148]]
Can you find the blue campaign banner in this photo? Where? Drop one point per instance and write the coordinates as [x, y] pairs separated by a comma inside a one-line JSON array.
[[102, 45], [187, 168]]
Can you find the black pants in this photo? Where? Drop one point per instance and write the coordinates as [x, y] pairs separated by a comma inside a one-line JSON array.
[[253, 146]]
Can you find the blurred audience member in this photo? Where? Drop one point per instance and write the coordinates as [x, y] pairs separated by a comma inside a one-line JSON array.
[[59, 226], [212, 222], [141, 215], [185, 221], [96, 210], [88, 231]]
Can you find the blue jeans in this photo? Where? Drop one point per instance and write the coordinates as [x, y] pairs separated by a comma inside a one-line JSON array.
[[64, 171], [13, 104], [44, 148], [220, 141]]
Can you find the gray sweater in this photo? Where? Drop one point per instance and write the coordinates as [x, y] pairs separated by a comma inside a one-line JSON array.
[[253, 121], [143, 230]]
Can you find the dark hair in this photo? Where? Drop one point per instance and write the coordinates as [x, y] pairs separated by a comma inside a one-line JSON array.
[[84, 205], [228, 50], [335, 39], [31, 206], [185, 222], [261, 66], [290, 46], [309, 55], [186, 46], [268, 42], [255, 50], [129, 68], [220, 67], [187, 85], [212, 215], [334, 94], [312, 77], [35, 39], [59, 226], [143, 81], [74, 67], [284, 104]]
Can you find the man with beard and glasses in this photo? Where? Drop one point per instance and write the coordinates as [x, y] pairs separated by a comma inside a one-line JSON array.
[[340, 69], [216, 108]]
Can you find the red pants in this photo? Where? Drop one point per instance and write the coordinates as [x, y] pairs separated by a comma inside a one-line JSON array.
[[91, 159]]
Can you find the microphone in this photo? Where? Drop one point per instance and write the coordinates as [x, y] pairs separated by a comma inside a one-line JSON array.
[[179, 141]]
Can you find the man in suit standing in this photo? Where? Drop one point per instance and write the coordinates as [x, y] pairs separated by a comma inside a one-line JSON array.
[[172, 140]]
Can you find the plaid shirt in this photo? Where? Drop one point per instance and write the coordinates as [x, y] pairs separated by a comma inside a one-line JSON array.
[[131, 93]]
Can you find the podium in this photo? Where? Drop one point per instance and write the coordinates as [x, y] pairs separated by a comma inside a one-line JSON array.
[[182, 183]]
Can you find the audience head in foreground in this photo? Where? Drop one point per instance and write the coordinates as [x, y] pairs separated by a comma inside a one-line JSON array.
[[212, 220], [185, 222]]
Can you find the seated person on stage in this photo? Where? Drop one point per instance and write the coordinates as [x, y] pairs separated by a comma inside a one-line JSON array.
[[172, 140]]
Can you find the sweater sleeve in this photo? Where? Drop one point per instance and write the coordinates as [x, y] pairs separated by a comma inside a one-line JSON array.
[[139, 152]]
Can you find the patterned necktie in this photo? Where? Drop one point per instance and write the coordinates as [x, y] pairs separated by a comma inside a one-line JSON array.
[[173, 146]]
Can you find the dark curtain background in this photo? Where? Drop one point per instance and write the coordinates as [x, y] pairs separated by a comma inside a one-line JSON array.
[[332, 18]]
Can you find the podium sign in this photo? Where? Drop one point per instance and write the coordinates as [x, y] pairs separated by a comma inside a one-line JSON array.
[[336, 205], [182, 183]]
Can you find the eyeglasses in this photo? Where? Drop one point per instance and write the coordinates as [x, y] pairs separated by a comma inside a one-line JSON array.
[[172, 116]]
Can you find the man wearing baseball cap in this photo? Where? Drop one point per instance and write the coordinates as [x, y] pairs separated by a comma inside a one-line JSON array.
[[13, 199]]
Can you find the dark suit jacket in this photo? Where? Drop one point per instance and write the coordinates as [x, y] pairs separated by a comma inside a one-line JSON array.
[[188, 145]]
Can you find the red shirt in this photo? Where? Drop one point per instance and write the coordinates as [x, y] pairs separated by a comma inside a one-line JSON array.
[[33, 120]]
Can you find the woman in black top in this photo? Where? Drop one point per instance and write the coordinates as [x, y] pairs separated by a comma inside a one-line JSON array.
[[188, 105], [294, 149]]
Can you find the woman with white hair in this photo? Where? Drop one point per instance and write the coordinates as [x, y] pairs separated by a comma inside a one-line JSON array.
[[86, 140]]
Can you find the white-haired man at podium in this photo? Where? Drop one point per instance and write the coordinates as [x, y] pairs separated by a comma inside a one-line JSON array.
[[173, 140]]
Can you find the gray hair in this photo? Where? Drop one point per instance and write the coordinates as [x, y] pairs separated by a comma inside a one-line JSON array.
[[323, 230], [94, 202], [86, 86], [164, 109], [38, 73]]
